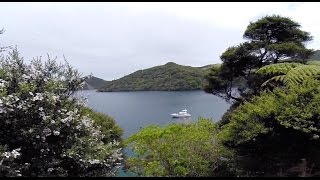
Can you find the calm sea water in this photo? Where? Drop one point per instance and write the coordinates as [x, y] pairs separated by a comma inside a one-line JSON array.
[[133, 110]]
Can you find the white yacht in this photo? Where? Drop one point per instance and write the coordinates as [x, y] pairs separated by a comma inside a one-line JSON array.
[[182, 113]]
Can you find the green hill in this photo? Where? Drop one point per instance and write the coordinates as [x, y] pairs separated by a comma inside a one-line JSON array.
[[93, 83], [316, 55], [168, 77]]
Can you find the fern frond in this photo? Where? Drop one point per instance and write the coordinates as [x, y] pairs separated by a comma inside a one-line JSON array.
[[314, 62], [291, 74], [280, 78], [280, 68], [303, 72]]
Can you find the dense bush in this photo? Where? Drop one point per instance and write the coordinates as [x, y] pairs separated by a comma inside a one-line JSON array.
[[44, 130], [274, 131], [179, 150]]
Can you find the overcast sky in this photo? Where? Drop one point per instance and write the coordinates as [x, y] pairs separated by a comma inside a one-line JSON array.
[[111, 40]]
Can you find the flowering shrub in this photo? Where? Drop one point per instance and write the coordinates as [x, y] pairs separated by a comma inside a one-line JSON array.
[[44, 130]]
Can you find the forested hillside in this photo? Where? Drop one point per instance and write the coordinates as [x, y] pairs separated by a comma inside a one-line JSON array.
[[168, 77]]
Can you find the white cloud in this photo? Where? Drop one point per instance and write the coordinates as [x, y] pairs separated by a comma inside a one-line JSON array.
[[237, 15], [114, 39]]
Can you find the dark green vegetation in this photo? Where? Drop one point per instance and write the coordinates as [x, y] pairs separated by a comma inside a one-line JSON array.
[[277, 131], [92, 82], [44, 130], [168, 77], [272, 127]]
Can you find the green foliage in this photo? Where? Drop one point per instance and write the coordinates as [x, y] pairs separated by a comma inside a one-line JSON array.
[[178, 150], [275, 69], [294, 105], [168, 77], [290, 74], [276, 129]]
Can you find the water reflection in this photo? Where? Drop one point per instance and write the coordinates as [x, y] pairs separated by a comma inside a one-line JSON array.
[[184, 120]]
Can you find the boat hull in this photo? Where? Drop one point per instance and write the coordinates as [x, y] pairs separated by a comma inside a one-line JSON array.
[[180, 116]]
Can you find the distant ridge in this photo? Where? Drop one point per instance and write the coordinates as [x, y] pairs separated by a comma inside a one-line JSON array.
[[167, 77], [315, 56], [93, 83]]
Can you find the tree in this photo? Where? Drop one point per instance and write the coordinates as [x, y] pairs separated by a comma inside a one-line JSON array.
[[44, 129], [275, 38], [271, 39]]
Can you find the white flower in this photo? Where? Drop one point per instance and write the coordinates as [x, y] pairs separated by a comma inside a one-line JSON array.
[[16, 98], [50, 169], [40, 108], [67, 119], [55, 98], [94, 161], [52, 121], [56, 133], [38, 96], [69, 113], [25, 76], [47, 131], [15, 153], [6, 154], [45, 117], [86, 122]]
